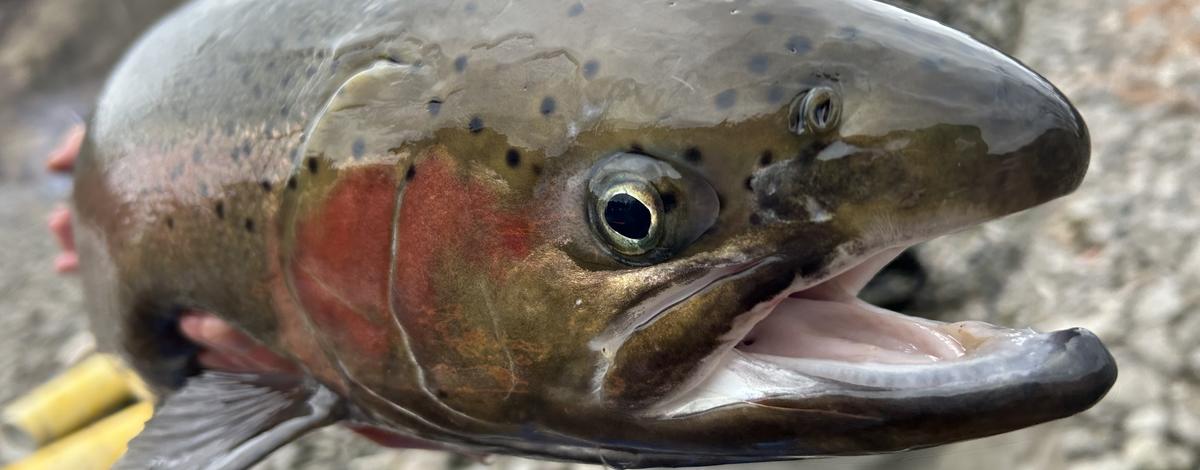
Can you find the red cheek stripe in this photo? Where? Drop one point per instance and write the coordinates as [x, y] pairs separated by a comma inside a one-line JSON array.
[[343, 249], [342, 258], [451, 222]]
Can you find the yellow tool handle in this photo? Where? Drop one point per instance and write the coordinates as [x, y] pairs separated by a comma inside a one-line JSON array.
[[96, 447], [77, 397]]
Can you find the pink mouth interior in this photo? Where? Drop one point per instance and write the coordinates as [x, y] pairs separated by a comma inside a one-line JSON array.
[[828, 322], [848, 332]]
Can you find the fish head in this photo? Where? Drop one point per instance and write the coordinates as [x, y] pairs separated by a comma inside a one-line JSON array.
[[663, 269]]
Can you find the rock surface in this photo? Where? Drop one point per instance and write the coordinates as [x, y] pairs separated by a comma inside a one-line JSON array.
[[1121, 256]]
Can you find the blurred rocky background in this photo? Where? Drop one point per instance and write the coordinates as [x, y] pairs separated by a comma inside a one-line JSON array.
[[1121, 256]]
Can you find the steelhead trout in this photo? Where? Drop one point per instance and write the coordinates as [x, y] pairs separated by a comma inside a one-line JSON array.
[[623, 232]]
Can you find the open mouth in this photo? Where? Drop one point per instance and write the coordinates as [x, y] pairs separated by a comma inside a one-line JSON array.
[[823, 340]]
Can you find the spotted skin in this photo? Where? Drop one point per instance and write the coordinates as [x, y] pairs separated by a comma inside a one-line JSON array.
[[393, 194]]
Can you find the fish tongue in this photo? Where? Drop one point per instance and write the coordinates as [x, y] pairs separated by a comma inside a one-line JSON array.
[[230, 421]]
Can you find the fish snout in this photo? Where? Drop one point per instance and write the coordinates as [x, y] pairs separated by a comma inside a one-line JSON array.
[[1029, 149], [931, 159]]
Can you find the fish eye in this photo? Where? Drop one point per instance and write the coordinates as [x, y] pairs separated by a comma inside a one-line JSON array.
[[644, 210], [630, 217], [818, 111]]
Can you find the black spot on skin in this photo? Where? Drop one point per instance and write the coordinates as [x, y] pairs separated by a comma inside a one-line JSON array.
[[312, 165], [358, 148], [548, 106], [265, 185], [476, 125], [537, 170], [460, 64], [726, 99], [590, 68], [249, 224], [410, 174], [434, 106], [284, 110], [759, 63], [246, 147], [442, 394], [775, 95], [170, 223], [799, 45], [512, 158], [575, 10], [749, 183], [763, 17], [929, 65], [692, 154], [291, 183], [669, 202], [766, 158], [219, 209]]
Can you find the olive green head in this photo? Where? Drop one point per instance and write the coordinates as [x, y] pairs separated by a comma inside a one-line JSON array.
[[644, 246]]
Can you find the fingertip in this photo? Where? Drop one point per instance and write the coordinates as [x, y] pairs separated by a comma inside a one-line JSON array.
[[190, 324], [66, 262], [62, 158], [59, 219], [59, 223], [216, 333]]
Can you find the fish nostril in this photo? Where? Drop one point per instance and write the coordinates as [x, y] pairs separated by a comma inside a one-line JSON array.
[[817, 111], [821, 114]]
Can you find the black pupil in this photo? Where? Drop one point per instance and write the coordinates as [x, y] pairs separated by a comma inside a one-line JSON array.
[[627, 216]]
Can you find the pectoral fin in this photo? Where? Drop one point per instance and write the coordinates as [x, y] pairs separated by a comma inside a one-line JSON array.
[[222, 420]]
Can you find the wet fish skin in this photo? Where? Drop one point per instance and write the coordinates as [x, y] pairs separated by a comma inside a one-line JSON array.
[[395, 195]]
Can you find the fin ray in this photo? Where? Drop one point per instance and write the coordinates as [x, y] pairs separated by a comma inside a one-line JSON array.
[[222, 420]]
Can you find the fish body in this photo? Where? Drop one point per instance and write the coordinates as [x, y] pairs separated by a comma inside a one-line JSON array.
[[621, 232]]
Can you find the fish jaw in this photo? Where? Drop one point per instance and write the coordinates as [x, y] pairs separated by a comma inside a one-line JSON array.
[[815, 371], [889, 381]]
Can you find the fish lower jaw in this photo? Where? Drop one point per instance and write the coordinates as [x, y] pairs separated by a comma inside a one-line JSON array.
[[823, 341]]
